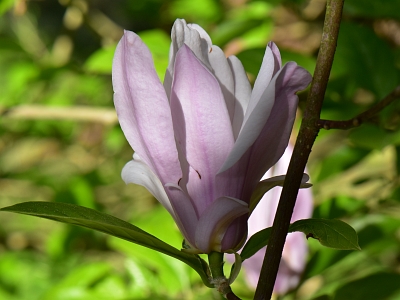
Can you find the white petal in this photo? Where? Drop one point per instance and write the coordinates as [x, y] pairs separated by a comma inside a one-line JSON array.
[[193, 36], [203, 34], [262, 81], [223, 73], [136, 171], [242, 93]]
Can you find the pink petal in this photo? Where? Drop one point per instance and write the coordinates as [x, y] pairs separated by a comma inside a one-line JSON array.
[[186, 216], [202, 125], [215, 220], [143, 109], [295, 251], [235, 234]]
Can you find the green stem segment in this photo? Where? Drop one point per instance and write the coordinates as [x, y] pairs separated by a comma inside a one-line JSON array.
[[308, 132], [220, 282]]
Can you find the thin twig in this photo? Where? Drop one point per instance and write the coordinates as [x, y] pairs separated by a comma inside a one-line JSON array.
[[363, 117], [73, 113], [308, 133]]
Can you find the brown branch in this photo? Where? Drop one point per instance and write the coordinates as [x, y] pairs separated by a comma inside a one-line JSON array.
[[231, 296], [363, 117], [308, 133]]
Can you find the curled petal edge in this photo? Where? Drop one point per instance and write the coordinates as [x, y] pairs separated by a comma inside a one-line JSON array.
[[136, 171], [215, 220]]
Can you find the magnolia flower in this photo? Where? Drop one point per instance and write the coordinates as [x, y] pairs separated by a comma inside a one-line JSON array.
[[204, 139], [295, 251]]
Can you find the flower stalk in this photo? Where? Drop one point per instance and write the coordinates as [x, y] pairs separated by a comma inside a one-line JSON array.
[[220, 282]]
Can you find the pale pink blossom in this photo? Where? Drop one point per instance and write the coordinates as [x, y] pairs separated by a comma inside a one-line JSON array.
[[204, 138], [295, 252]]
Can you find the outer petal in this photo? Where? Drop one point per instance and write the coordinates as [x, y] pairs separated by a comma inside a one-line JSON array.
[[277, 57], [202, 125], [143, 109], [186, 216], [215, 220], [136, 171], [180, 207], [274, 137], [242, 93], [203, 34], [196, 38], [254, 121]]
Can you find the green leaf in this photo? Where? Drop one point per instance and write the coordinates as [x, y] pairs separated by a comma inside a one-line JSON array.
[[330, 233], [372, 137], [365, 60], [373, 9], [235, 268], [375, 286], [89, 218], [5, 5], [255, 243]]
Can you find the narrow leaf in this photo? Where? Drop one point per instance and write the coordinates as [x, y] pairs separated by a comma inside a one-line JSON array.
[[330, 233], [255, 243], [89, 218], [235, 270], [268, 184]]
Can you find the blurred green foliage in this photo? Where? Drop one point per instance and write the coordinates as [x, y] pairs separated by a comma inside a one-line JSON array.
[[59, 141]]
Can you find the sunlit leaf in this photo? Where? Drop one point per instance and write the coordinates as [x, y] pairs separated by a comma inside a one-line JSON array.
[[101, 61], [232, 29], [5, 5], [330, 233], [89, 218], [199, 10]]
